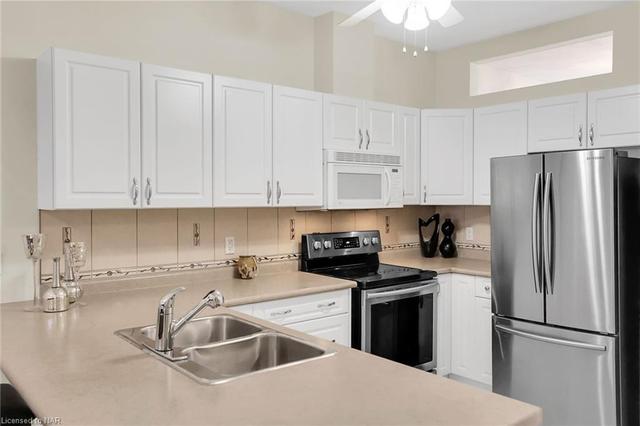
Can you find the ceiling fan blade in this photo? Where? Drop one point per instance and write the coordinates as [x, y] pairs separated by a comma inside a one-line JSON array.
[[451, 18], [362, 14]]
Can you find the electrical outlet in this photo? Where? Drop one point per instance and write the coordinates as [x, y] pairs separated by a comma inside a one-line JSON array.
[[229, 245], [468, 233]]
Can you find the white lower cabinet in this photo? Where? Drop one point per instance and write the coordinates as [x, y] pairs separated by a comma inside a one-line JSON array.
[[325, 315], [470, 331], [336, 328], [443, 327]]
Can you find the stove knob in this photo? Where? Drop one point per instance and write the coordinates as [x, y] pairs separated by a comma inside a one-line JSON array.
[[327, 244], [365, 241], [374, 240], [317, 245]]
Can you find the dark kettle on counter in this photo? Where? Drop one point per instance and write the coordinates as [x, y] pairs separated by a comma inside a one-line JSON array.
[[430, 246]]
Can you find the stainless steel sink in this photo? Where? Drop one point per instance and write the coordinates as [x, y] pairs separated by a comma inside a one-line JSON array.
[[198, 332], [221, 348], [263, 352]]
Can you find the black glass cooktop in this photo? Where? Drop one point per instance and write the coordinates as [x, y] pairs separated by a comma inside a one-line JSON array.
[[371, 276]]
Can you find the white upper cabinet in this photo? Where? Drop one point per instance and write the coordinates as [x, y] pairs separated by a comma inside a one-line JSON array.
[[499, 131], [177, 138], [409, 124], [558, 123], [381, 129], [297, 147], [614, 117], [242, 143], [343, 123], [88, 131], [447, 156]]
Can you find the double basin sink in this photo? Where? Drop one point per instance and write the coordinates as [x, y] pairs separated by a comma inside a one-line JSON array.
[[220, 348]]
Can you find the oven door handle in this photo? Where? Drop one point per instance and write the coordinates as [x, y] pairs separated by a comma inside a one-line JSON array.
[[412, 290]]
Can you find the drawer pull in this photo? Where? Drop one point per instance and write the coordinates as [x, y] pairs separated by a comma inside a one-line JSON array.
[[277, 314], [487, 287], [326, 305]]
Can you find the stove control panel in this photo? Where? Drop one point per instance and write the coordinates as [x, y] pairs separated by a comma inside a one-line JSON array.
[[340, 244]]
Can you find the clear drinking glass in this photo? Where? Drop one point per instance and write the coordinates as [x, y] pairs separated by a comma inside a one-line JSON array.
[[76, 255], [33, 248]]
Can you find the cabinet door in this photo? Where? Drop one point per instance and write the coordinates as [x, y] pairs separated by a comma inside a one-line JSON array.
[[447, 153], [409, 119], [381, 130], [614, 117], [343, 123], [482, 340], [336, 328], [297, 147], [177, 140], [443, 360], [463, 326], [242, 143], [558, 123], [96, 131], [499, 131]]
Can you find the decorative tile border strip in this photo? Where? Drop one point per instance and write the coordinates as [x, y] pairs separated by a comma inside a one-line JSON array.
[[214, 264]]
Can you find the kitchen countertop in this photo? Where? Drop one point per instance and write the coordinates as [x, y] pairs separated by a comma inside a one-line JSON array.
[[71, 366], [459, 265]]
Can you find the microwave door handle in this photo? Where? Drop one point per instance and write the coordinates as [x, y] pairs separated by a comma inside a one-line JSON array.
[[388, 177]]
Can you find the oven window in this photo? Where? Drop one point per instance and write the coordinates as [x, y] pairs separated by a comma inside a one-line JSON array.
[[359, 186], [402, 330]]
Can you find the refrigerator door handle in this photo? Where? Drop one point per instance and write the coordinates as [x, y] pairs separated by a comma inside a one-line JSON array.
[[535, 234], [554, 340], [546, 233]]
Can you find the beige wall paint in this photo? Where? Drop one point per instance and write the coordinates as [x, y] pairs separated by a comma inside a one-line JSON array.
[[452, 66]]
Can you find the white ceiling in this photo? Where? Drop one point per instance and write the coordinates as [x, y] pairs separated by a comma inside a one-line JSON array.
[[482, 19]]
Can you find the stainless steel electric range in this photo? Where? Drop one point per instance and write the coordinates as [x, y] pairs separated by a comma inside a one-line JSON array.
[[393, 308]]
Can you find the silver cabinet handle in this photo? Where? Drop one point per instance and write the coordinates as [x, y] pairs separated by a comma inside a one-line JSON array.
[[149, 191], [425, 194], [279, 191], [136, 188], [591, 134], [368, 139], [280, 313], [360, 133], [546, 232], [555, 340], [535, 234], [268, 192], [326, 305], [487, 287], [580, 135]]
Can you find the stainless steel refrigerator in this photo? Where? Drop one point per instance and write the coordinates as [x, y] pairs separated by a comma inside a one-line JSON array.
[[565, 265]]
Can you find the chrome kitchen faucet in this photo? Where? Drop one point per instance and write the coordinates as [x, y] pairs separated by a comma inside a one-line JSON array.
[[166, 329]]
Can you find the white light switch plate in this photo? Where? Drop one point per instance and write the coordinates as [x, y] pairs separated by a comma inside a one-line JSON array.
[[468, 233], [229, 245]]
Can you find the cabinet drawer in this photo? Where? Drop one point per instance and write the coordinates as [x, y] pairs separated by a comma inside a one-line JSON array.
[[483, 287], [304, 308], [336, 328]]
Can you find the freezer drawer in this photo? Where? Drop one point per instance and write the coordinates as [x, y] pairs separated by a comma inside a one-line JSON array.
[[570, 374]]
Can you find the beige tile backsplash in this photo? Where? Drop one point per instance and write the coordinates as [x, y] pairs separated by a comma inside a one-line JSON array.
[[129, 238]]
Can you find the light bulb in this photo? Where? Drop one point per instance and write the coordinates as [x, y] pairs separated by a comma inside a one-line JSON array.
[[437, 8], [394, 10], [416, 18]]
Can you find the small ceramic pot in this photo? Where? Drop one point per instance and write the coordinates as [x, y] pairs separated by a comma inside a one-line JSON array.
[[247, 267]]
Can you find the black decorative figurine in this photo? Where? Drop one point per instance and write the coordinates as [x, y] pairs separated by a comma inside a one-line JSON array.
[[429, 246], [447, 246]]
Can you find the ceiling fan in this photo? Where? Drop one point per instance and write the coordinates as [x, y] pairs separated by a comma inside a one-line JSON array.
[[415, 14]]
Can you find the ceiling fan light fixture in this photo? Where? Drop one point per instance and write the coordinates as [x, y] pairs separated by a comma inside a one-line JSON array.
[[416, 17], [437, 8], [394, 10]]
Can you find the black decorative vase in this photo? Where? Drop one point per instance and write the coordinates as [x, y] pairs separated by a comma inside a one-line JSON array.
[[429, 246], [447, 246]]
